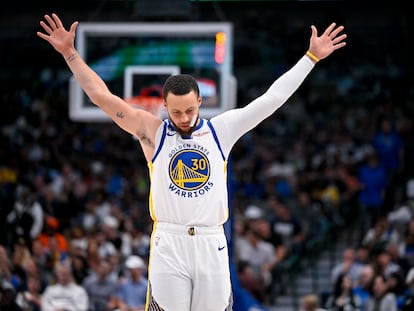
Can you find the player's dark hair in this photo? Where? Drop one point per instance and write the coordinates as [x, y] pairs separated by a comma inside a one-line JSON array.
[[180, 84]]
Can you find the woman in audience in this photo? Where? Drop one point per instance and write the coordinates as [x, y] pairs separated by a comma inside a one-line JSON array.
[[343, 298], [381, 299]]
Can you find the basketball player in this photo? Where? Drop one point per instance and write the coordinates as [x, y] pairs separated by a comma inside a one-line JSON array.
[[187, 156]]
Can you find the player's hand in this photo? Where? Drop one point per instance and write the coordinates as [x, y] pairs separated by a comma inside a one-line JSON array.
[[330, 40], [56, 34]]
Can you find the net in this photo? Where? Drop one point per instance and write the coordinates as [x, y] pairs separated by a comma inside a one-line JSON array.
[[151, 104]]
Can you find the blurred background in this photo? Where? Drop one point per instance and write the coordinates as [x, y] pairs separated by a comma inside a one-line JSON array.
[[321, 191]]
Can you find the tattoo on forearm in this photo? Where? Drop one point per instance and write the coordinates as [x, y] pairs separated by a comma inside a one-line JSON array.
[[72, 57], [120, 114]]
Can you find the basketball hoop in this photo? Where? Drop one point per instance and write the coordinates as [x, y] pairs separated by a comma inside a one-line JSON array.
[[151, 104]]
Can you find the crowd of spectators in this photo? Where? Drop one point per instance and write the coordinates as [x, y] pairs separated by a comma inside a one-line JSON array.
[[338, 156]]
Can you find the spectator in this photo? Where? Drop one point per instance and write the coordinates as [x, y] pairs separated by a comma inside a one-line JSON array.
[[398, 258], [362, 255], [350, 188], [41, 260], [106, 247], [78, 241], [101, 288], [314, 221], [384, 265], [64, 294], [347, 265], [279, 266], [390, 148], [401, 216], [285, 224], [88, 219], [381, 299], [103, 206], [80, 268], [381, 235], [30, 299], [26, 219], [18, 273], [110, 230], [362, 287], [406, 246], [249, 281], [373, 181], [343, 296], [140, 241], [51, 234], [132, 291], [257, 221], [117, 269], [258, 253], [408, 304], [310, 302], [8, 297], [93, 256], [396, 284]]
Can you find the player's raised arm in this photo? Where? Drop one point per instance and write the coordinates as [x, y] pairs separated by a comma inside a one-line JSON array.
[[139, 123]]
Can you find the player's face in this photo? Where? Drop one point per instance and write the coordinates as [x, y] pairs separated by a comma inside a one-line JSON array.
[[183, 110]]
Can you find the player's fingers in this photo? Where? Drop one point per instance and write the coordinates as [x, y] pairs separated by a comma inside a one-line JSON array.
[[339, 45], [336, 31], [51, 22], [73, 27], [329, 29], [57, 20], [43, 36], [46, 27], [314, 31], [339, 39]]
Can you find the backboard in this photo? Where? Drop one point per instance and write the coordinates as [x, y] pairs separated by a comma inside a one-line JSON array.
[[134, 60]]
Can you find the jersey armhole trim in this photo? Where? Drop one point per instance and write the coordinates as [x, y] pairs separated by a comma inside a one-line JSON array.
[[216, 139], [164, 132]]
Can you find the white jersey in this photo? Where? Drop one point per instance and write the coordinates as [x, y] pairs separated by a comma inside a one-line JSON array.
[[188, 177]]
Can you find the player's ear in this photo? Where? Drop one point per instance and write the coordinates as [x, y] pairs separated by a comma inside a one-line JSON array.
[[199, 100]]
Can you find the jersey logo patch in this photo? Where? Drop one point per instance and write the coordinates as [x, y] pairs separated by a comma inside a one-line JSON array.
[[189, 169]]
